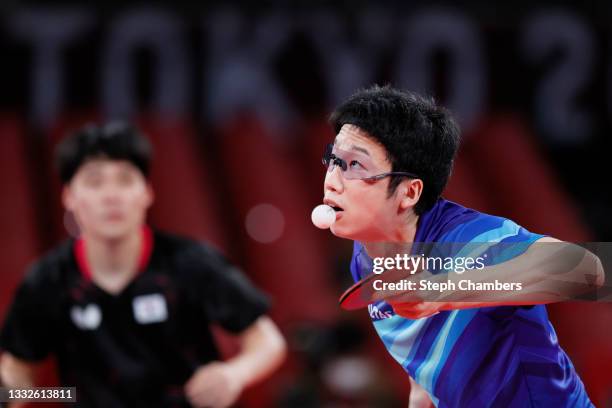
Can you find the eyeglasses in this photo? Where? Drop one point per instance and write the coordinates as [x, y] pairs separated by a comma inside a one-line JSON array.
[[356, 165]]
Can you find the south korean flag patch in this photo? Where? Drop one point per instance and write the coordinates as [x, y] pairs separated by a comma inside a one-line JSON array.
[[150, 309]]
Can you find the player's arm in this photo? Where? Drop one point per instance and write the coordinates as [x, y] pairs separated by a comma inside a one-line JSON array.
[[263, 349], [219, 384], [17, 373], [236, 305], [551, 271], [29, 330], [418, 396]]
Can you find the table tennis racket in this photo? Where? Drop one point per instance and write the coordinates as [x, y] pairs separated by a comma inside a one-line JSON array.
[[359, 295], [362, 293]]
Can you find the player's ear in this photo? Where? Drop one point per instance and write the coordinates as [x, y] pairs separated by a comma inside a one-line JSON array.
[[410, 192], [67, 197], [150, 195]]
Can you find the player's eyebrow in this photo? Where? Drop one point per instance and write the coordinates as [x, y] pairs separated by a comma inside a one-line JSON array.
[[360, 149], [354, 147]]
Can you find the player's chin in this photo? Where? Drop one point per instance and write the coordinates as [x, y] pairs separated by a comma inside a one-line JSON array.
[[337, 230], [342, 229], [113, 231]]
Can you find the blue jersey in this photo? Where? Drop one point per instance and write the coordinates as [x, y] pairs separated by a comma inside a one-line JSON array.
[[495, 356]]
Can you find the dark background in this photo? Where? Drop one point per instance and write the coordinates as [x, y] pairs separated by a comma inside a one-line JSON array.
[[235, 95]]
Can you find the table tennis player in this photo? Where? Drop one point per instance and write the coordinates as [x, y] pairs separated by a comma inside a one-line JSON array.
[[125, 309], [386, 169]]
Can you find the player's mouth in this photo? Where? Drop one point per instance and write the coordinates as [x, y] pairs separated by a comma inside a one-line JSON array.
[[114, 217], [337, 208]]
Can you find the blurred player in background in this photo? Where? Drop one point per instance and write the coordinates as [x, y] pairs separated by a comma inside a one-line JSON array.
[[125, 309], [390, 161]]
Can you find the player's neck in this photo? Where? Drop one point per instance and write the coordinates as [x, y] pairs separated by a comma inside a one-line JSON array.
[[118, 256], [406, 230], [400, 236]]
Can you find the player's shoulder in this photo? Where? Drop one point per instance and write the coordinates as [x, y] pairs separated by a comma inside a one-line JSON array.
[[49, 268], [185, 252], [477, 226]]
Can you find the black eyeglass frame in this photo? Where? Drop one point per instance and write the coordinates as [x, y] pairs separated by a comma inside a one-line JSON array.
[[329, 158]]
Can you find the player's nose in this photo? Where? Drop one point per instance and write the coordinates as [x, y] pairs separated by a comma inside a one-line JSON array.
[[111, 194], [333, 181]]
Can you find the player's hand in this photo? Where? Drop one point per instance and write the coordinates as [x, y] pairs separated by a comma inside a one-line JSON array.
[[411, 303], [214, 385]]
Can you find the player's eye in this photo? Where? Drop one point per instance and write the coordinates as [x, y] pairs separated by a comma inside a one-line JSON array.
[[126, 179], [354, 164], [340, 163], [93, 180]]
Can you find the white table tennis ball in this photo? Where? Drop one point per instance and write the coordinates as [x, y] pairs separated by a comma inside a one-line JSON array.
[[323, 216]]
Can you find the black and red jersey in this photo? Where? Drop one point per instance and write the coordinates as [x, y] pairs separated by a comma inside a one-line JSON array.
[[138, 347]]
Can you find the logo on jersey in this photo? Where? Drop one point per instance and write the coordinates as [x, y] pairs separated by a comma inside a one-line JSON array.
[[86, 318], [380, 310], [150, 309]]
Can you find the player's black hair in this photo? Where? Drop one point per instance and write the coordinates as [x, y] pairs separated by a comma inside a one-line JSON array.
[[115, 141], [419, 136]]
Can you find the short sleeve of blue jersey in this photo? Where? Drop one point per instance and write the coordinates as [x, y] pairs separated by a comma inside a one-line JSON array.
[[359, 261], [496, 238]]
